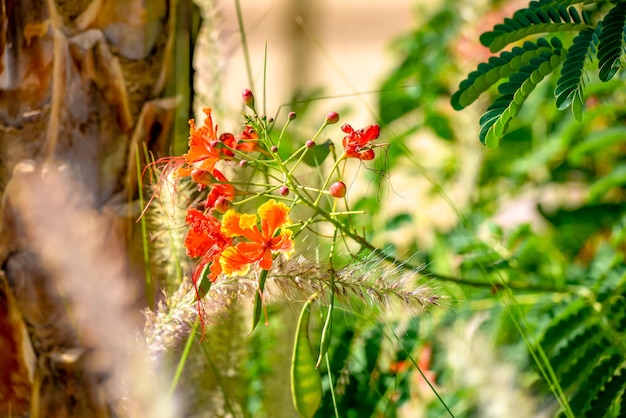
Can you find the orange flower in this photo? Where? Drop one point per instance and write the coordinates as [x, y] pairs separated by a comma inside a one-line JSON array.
[[261, 242], [203, 153], [205, 239], [357, 143]]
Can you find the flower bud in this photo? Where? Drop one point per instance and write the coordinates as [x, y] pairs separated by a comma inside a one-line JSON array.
[[243, 163], [274, 149], [291, 115], [284, 191], [310, 143], [222, 204], [248, 98], [332, 117], [337, 189], [201, 176]]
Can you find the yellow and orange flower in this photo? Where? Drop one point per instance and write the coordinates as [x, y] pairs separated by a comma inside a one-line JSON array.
[[261, 243]]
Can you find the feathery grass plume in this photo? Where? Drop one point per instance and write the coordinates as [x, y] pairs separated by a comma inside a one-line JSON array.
[[171, 321], [166, 222], [80, 251], [492, 384], [211, 55], [369, 283]]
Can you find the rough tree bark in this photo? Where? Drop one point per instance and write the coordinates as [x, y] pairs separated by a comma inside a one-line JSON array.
[[82, 84]]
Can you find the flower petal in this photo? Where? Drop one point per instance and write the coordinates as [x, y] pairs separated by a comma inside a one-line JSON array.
[[273, 215]]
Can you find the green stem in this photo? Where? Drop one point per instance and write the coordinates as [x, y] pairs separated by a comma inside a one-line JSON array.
[[184, 357], [517, 285], [244, 44]]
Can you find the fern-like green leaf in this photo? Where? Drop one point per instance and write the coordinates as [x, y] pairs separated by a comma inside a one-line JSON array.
[[561, 326], [569, 88], [592, 386], [548, 18], [498, 68], [580, 371], [494, 123], [573, 348], [601, 405], [611, 47]]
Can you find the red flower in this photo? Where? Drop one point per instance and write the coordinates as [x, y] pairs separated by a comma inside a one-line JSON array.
[[245, 142], [223, 189], [206, 240], [357, 143]]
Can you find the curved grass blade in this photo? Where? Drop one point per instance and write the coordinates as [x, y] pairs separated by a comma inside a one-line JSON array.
[[306, 383]]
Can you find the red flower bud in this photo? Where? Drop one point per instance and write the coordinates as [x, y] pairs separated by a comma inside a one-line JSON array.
[[201, 177], [291, 115], [284, 191], [338, 189], [310, 143], [332, 117], [222, 204], [248, 98], [274, 149]]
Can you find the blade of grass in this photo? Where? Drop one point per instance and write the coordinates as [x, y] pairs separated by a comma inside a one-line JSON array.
[[144, 233]]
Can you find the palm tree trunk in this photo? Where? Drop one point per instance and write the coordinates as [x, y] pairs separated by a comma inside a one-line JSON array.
[[80, 92]]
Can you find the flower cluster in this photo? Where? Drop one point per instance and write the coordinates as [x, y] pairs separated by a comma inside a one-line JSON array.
[[226, 241]]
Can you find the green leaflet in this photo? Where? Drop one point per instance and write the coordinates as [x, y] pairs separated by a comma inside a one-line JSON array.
[[503, 39], [495, 121], [600, 374], [611, 48], [546, 18], [486, 75], [306, 383], [258, 301], [328, 327], [204, 283], [569, 89], [601, 405]]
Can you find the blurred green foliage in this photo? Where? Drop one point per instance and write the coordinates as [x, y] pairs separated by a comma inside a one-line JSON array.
[[553, 283]]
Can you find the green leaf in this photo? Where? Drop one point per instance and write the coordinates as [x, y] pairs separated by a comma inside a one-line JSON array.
[[597, 142], [495, 121], [258, 301], [616, 178], [497, 68], [611, 43], [569, 89], [315, 156], [602, 372], [328, 327], [204, 282], [498, 39], [306, 383]]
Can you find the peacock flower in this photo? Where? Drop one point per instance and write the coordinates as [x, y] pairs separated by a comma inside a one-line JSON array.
[[203, 152], [206, 240], [356, 144], [260, 243], [220, 191], [245, 142]]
